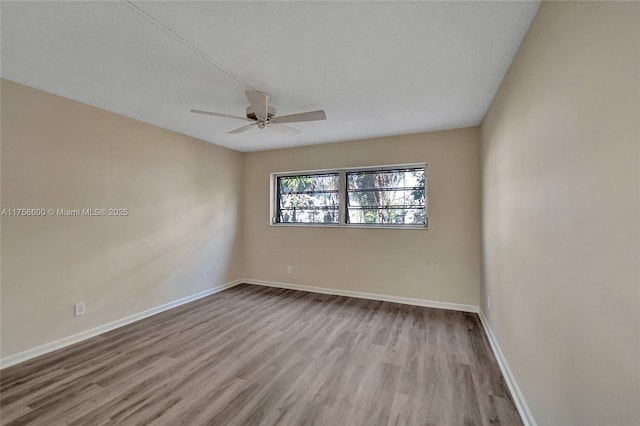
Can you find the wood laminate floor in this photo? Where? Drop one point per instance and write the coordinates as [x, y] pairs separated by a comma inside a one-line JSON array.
[[255, 355]]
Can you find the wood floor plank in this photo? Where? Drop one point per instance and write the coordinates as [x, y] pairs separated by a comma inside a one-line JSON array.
[[254, 355]]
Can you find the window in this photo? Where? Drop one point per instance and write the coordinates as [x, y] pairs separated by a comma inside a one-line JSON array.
[[311, 198], [384, 196], [389, 197]]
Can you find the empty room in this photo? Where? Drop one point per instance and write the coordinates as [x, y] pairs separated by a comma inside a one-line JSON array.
[[334, 213]]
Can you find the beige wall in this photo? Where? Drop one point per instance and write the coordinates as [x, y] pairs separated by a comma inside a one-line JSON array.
[[441, 263], [185, 230], [561, 214], [181, 237]]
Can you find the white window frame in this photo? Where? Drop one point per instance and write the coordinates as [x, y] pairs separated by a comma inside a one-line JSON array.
[[342, 197]]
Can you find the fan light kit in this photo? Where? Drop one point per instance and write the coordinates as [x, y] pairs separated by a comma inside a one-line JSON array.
[[262, 115]]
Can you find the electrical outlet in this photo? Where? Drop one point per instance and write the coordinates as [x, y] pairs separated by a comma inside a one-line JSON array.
[[289, 269], [79, 309]]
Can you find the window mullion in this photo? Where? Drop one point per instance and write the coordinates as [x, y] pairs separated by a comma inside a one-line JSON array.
[[342, 198], [276, 219]]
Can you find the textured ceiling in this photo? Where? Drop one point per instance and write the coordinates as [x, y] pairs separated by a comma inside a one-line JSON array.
[[376, 68]]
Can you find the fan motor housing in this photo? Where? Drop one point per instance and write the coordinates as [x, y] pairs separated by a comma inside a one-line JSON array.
[[271, 112]]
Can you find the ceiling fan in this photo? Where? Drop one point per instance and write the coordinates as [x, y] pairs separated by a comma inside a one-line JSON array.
[[262, 115]]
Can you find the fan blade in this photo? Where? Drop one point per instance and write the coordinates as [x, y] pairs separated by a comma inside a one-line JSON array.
[[284, 129], [303, 116], [242, 129], [258, 101], [198, 111]]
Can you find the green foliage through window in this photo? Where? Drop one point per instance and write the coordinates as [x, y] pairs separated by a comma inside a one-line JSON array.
[[393, 197], [389, 197], [308, 198]]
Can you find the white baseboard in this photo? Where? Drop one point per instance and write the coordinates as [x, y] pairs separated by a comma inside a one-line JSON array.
[[362, 295], [518, 398], [70, 340]]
